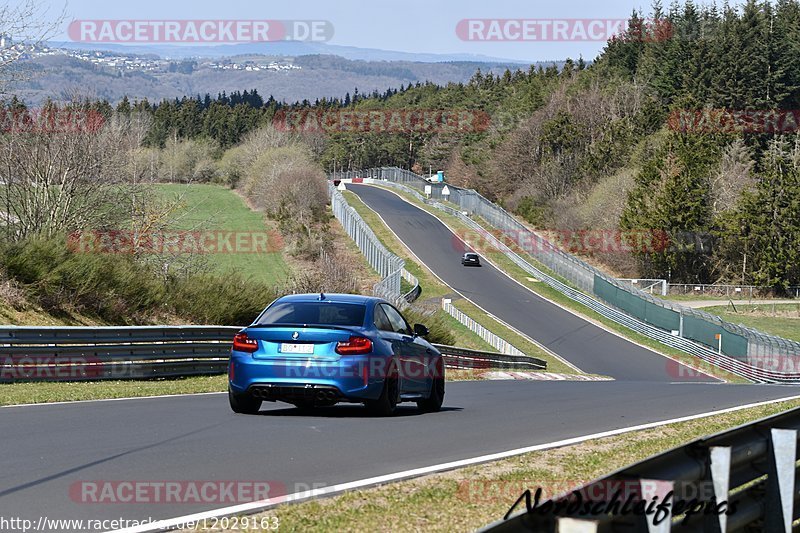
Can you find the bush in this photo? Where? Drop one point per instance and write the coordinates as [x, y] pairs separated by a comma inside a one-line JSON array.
[[533, 211], [440, 332], [230, 301], [118, 290], [189, 160], [112, 287]]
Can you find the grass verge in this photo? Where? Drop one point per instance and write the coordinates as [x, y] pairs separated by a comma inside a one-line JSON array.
[[449, 501], [33, 315], [45, 392], [778, 319], [49, 392]]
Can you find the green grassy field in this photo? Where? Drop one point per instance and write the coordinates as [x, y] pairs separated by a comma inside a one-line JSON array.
[[779, 319], [213, 207]]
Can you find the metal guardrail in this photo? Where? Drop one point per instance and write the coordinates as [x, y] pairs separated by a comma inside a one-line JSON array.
[[389, 266], [757, 367], [743, 479], [33, 353], [461, 358], [102, 353], [414, 294]]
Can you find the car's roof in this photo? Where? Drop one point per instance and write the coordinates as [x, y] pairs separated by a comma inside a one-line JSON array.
[[336, 298], [470, 253]]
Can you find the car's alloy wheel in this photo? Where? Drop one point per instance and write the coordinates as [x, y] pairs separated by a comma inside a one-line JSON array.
[[243, 403]]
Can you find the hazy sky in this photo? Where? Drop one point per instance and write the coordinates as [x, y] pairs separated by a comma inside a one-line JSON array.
[[403, 25]]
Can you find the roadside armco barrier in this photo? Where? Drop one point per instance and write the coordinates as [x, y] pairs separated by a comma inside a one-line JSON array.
[[34, 353], [743, 479], [746, 352], [388, 266]]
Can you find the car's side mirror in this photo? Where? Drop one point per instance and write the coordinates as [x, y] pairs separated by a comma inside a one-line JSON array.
[[420, 330]]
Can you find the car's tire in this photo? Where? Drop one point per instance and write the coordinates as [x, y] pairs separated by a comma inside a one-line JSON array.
[[433, 403], [386, 404], [243, 403]]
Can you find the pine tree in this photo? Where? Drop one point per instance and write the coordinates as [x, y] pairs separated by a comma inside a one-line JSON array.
[[124, 107], [770, 221], [671, 196]]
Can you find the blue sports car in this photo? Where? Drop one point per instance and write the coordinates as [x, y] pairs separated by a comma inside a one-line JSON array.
[[315, 350]]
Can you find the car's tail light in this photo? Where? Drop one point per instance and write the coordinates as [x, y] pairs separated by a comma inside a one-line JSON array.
[[242, 343], [354, 346]]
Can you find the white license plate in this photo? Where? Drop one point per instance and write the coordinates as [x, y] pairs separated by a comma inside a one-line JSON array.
[[297, 348]]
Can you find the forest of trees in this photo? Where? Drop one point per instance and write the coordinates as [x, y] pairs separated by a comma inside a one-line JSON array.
[[584, 146]]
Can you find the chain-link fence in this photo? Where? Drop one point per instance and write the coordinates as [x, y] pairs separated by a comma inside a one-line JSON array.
[[650, 286], [736, 292], [386, 264], [653, 316], [498, 343]]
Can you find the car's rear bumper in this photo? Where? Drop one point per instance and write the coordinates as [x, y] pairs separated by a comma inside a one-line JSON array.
[[347, 379], [306, 393]]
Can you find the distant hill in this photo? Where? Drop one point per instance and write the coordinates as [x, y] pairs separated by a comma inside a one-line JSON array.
[[318, 76], [279, 48]]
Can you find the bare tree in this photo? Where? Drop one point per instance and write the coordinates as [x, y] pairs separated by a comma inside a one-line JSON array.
[[61, 174], [735, 175], [23, 27]]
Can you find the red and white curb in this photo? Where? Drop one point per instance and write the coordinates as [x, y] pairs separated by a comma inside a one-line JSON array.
[[366, 181], [542, 376]]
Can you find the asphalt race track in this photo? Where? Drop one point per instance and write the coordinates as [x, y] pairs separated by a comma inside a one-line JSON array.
[[589, 347], [49, 453], [46, 449]]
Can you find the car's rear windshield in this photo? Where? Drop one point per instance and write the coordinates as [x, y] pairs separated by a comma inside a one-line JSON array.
[[471, 256], [314, 313]]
